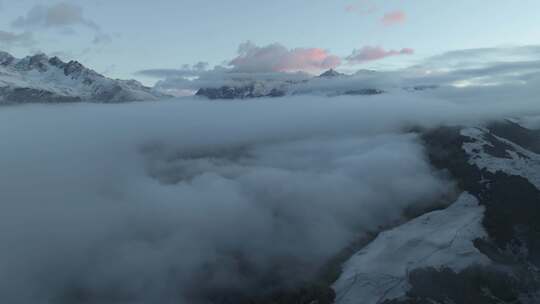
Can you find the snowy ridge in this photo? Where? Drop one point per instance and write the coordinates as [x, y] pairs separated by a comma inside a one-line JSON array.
[[517, 161], [329, 83], [39, 78], [437, 239]]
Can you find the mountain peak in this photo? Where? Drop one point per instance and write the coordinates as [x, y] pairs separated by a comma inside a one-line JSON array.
[[35, 62], [331, 73], [6, 58]]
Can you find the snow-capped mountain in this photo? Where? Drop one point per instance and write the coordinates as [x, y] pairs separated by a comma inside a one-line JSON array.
[[319, 85], [253, 89], [484, 248], [39, 78]]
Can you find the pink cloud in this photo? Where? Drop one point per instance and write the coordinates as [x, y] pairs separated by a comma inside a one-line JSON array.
[[393, 18], [277, 58], [370, 53]]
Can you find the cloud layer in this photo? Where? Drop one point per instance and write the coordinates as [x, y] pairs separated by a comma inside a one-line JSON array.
[[372, 53], [192, 200]]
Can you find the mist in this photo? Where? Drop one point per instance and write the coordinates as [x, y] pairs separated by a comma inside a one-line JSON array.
[[181, 200]]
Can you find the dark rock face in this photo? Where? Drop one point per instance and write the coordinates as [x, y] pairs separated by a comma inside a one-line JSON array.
[[530, 139], [512, 220], [364, 92], [27, 95]]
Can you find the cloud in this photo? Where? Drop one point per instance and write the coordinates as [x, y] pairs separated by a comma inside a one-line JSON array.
[[9, 39], [62, 16], [472, 68], [212, 199], [209, 199], [194, 70], [370, 53], [56, 15], [271, 63], [361, 7], [101, 38], [277, 58], [479, 57], [393, 18]]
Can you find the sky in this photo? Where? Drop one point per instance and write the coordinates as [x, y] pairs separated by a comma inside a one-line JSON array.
[[121, 37]]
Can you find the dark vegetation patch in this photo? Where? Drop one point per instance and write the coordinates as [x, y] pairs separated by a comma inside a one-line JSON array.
[[529, 139], [478, 285]]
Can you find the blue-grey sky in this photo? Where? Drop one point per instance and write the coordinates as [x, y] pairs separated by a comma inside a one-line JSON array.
[[121, 37]]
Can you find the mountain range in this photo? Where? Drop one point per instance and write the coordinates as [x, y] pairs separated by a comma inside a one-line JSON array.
[[326, 83], [44, 79]]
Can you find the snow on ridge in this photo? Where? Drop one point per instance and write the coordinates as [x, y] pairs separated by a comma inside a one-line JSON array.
[[437, 239], [64, 80], [521, 162]]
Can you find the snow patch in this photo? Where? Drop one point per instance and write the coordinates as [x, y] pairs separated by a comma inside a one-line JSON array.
[[521, 162]]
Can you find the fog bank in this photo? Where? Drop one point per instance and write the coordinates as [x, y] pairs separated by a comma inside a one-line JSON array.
[[185, 199]]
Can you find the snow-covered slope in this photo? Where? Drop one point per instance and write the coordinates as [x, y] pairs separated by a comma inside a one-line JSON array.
[[512, 158], [437, 239], [39, 78], [483, 249]]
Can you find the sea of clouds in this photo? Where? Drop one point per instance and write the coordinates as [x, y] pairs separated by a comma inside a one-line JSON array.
[[188, 199]]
